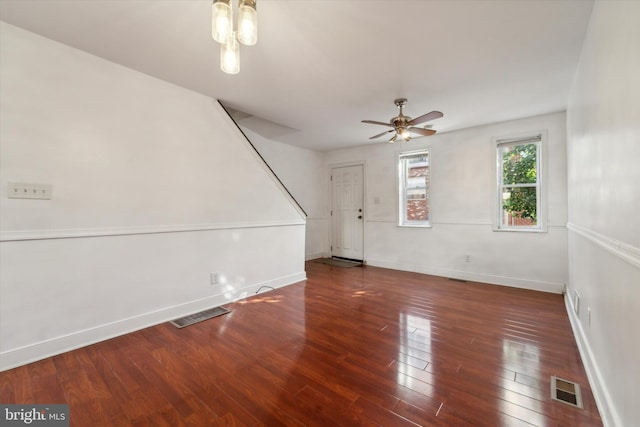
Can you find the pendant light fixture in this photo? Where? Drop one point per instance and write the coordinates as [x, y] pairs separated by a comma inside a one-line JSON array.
[[230, 55], [247, 22], [223, 32]]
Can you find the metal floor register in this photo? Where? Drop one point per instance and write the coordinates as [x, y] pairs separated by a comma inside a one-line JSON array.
[[199, 317]]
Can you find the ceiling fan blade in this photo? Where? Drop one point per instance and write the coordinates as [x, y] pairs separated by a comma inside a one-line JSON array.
[[426, 117], [422, 132], [380, 134], [373, 122], [392, 140]]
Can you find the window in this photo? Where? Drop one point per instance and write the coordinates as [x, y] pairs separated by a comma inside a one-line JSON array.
[[518, 162], [413, 171]]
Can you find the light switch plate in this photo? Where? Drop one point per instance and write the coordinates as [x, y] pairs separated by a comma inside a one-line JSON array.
[[21, 190]]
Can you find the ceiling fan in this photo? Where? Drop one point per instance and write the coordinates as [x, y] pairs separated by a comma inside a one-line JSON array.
[[404, 126]]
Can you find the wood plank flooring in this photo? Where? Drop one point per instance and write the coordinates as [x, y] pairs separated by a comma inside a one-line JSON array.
[[348, 347]]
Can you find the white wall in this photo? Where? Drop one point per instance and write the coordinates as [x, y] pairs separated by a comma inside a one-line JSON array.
[[154, 189], [303, 173], [603, 131], [462, 209]]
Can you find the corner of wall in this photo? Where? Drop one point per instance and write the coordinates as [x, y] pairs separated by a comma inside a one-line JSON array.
[[604, 401]]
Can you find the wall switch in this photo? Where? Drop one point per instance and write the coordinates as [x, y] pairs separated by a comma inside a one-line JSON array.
[[21, 190]]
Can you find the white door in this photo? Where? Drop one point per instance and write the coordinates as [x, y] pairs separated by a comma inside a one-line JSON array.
[[347, 223]]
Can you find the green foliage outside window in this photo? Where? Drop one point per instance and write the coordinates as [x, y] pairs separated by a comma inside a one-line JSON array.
[[519, 167]]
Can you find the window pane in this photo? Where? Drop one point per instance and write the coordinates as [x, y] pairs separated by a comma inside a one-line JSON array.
[[519, 164], [519, 206], [518, 183], [414, 189], [417, 210]]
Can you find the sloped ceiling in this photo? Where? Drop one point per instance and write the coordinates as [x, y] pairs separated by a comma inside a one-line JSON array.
[[322, 66]]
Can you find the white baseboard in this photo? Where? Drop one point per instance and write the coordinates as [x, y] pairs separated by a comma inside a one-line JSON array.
[[608, 413], [316, 255], [41, 350], [514, 282]]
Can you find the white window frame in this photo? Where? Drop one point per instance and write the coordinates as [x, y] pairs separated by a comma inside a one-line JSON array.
[[539, 139], [402, 187]]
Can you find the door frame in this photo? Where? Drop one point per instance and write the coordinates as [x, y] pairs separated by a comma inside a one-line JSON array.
[[331, 167]]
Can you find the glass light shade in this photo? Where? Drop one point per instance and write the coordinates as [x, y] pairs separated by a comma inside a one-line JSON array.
[[404, 133], [247, 22], [221, 21], [230, 56]]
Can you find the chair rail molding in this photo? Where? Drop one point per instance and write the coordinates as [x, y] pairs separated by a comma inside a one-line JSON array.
[[622, 250]]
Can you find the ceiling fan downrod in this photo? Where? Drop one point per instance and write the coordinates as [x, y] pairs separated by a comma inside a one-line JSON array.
[[400, 102]]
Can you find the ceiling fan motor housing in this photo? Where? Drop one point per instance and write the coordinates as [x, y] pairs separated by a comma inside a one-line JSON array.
[[400, 121]]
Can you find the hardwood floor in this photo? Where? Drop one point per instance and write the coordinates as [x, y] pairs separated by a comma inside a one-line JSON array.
[[348, 347]]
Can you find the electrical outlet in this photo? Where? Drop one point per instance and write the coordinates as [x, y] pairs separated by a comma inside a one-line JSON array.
[[576, 303], [589, 316], [213, 279], [467, 258]]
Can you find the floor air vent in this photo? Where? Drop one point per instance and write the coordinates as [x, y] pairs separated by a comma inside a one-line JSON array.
[[199, 317], [566, 391]]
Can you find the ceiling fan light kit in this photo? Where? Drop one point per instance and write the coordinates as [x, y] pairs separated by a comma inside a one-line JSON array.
[[222, 31], [404, 126]]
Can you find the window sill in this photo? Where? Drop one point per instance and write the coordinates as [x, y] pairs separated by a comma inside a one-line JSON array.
[[415, 225], [522, 230]]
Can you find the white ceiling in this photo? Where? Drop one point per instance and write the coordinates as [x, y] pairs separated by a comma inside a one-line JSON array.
[[322, 66]]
